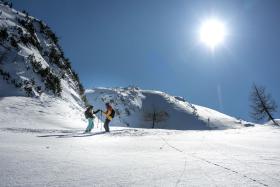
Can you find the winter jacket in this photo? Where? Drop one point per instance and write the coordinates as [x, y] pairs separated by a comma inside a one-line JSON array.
[[108, 113], [89, 113]]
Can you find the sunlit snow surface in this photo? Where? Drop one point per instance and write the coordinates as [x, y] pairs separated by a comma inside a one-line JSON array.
[[48, 148], [137, 157]]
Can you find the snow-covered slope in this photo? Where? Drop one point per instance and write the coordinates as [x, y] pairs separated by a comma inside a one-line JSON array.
[[140, 157], [272, 123], [139, 108], [32, 64], [31, 60]]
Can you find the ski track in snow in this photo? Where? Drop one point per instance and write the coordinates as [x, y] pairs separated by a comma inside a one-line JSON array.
[[209, 162], [168, 141], [243, 164], [122, 132]]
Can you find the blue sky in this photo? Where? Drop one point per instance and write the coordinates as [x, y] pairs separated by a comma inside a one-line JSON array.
[[154, 44]]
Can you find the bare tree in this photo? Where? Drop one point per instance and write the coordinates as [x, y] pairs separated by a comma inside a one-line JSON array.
[[263, 106], [155, 116]]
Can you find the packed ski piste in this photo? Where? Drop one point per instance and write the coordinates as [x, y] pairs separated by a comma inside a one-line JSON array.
[[53, 132]]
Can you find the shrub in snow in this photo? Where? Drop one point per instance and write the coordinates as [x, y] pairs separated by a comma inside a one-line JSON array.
[[28, 39], [27, 24], [52, 35], [67, 63], [26, 13], [85, 100], [35, 64], [53, 83], [28, 89], [7, 3], [75, 76], [48, 32], [5, 75], [13, 42], [54, 57], [44, 72], [3, 34], [19, 30]]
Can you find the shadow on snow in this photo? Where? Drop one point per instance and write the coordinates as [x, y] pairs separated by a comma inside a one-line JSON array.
[[75, 135]]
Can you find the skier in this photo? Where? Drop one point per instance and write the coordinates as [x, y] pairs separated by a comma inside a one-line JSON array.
[[89, 115], [110, 114]]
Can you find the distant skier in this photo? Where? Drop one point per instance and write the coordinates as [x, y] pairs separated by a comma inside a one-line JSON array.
[[110, 114], [89, 115]]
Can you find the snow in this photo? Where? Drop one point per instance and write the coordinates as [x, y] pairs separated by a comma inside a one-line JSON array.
[[140, 157], [9, 90], [44, 112], [42, 141], [272, 123], [42, 144], [14, 60], [134, 104]]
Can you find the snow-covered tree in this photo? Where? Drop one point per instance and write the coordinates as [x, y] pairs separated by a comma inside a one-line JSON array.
[[262, 104]]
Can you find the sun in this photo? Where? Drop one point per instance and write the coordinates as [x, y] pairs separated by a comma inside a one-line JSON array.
[[212, 33]]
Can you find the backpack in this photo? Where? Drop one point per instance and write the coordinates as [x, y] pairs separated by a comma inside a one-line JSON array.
[[88, 114], [113, 113]]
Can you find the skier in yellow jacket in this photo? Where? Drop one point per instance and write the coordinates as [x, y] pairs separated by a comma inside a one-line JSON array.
[[110, 113]]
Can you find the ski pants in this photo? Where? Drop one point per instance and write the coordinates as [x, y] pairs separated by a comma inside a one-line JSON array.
[[90, 125], [106, 125]]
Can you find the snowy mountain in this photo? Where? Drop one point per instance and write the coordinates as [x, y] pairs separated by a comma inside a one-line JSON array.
[[154, 109], [32, 64]]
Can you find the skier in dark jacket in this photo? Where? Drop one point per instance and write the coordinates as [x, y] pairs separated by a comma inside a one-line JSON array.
[[89, 114], [110, 113]]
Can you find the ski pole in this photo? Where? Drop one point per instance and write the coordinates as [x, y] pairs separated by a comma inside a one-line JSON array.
[[97, 122], [101, 121]]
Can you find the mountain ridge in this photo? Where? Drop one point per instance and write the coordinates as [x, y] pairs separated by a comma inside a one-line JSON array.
[[32, 62], [155, 109]]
